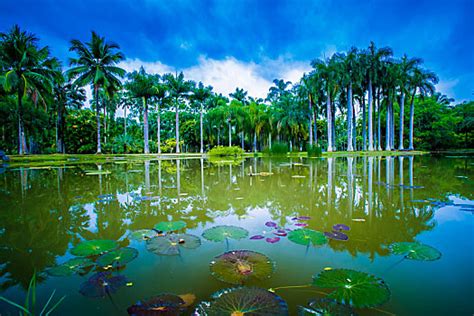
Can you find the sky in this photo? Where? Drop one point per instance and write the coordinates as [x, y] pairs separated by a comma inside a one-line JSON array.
[[249, 43]]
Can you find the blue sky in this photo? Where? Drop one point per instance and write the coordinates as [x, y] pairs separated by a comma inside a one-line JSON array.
[[249, 43]]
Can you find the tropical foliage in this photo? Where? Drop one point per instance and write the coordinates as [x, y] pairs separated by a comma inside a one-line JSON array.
[[362, 99]]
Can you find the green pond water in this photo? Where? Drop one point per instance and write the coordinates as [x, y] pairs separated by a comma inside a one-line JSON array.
[[46, 212]]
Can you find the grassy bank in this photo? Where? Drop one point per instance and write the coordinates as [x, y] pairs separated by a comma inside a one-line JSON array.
[[70, 159]]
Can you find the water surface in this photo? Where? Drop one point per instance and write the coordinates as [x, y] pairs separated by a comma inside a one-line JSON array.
[[47, 211]]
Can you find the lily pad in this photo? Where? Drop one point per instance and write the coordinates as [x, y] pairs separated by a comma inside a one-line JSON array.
[[272, 240], [241, 266], [243, 301], [336, 235], [97, 172], [325, 307], [220, 233], [70, 267], [93, 247], [170, 245], [163, 304], [170, 226], [117, 258], [142, 234], [301, 224], [102, 284], [354, 288], [341, 227], [271, 224], [415, 251], [304, 236], [257, 237]]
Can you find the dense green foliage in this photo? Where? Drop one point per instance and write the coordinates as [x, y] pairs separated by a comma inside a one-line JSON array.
[[356, 100], [222, 151]]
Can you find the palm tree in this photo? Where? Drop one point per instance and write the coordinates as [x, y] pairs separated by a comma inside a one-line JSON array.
[[25, 67], [178, 88], [424, 81], [374, 58], [161, 98], [407, 65], [143, 86], [96, 65], [239, 95], [200, 95]]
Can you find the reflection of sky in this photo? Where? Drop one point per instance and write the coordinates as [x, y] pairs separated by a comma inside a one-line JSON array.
[[453, 213]]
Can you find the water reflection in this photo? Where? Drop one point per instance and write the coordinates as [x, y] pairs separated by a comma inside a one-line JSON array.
[[45, 212]]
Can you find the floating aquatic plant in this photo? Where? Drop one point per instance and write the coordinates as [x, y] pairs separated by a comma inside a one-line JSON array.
[[221, 233], [241, 266], [415, 251], [257, 237], [354, 288], [70, 267], [301, 224], [336, 235], [163, 304], [170, 245], [271, 224], [325, 307], [301, 218], [117, 258], [305, 236], [93, 247], [96, 172], [341, 227], [243, 301], [272, 240], [142, 234], [170, 226], [102, 284]]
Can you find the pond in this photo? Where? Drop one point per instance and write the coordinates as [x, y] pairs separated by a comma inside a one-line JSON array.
[[46, 212]]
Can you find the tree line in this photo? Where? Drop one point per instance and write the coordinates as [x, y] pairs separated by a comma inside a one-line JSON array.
[[362, 99]]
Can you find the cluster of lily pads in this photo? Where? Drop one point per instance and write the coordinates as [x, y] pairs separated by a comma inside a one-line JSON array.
[[101, 256], [342, 289]]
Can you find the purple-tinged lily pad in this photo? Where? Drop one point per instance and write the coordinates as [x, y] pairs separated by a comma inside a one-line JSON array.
[[341, 227], [271, 224], [336, 235], [301, 224], [257, 237], [163, 304], [301, 218], [102, 284], [281, 233], [272, 240]]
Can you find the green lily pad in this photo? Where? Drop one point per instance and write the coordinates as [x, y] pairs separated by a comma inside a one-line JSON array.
[[354, 288], [305, 236], [70, 267], [241, 266], [93, 247], [243, 301], [170, 245], [325, 307], [96, 172], [415, 251], [170, 226], [142, 234], [220, 233], [117, 258], [163, 304]]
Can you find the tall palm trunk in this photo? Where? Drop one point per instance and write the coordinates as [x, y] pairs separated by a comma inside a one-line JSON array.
[[315, 129], [242, 139], [329, 116], [99, 147], [392, 127], [310, 103], [254, 141], [177, 127], [230, 134], [364, 123], [379, 131], [349, 118], [333, 108], [200, 131], [370, 120], [158, 126], [21, 126], [388, 126], [60, 148], [354, 130], [401, 121], [412, 114], [145, 126], [125, 120], [105, 122]]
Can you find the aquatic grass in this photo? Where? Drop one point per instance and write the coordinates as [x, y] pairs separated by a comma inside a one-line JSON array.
[[29, 307]]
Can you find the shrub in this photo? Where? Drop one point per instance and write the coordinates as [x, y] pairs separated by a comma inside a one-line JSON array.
[[279, 149], [314, 150], [226, 151]]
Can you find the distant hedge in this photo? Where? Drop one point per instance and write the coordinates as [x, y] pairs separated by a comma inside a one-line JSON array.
[[221, 151]]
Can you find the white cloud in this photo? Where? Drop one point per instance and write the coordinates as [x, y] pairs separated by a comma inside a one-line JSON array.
[[446, 87], [228, 73]]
